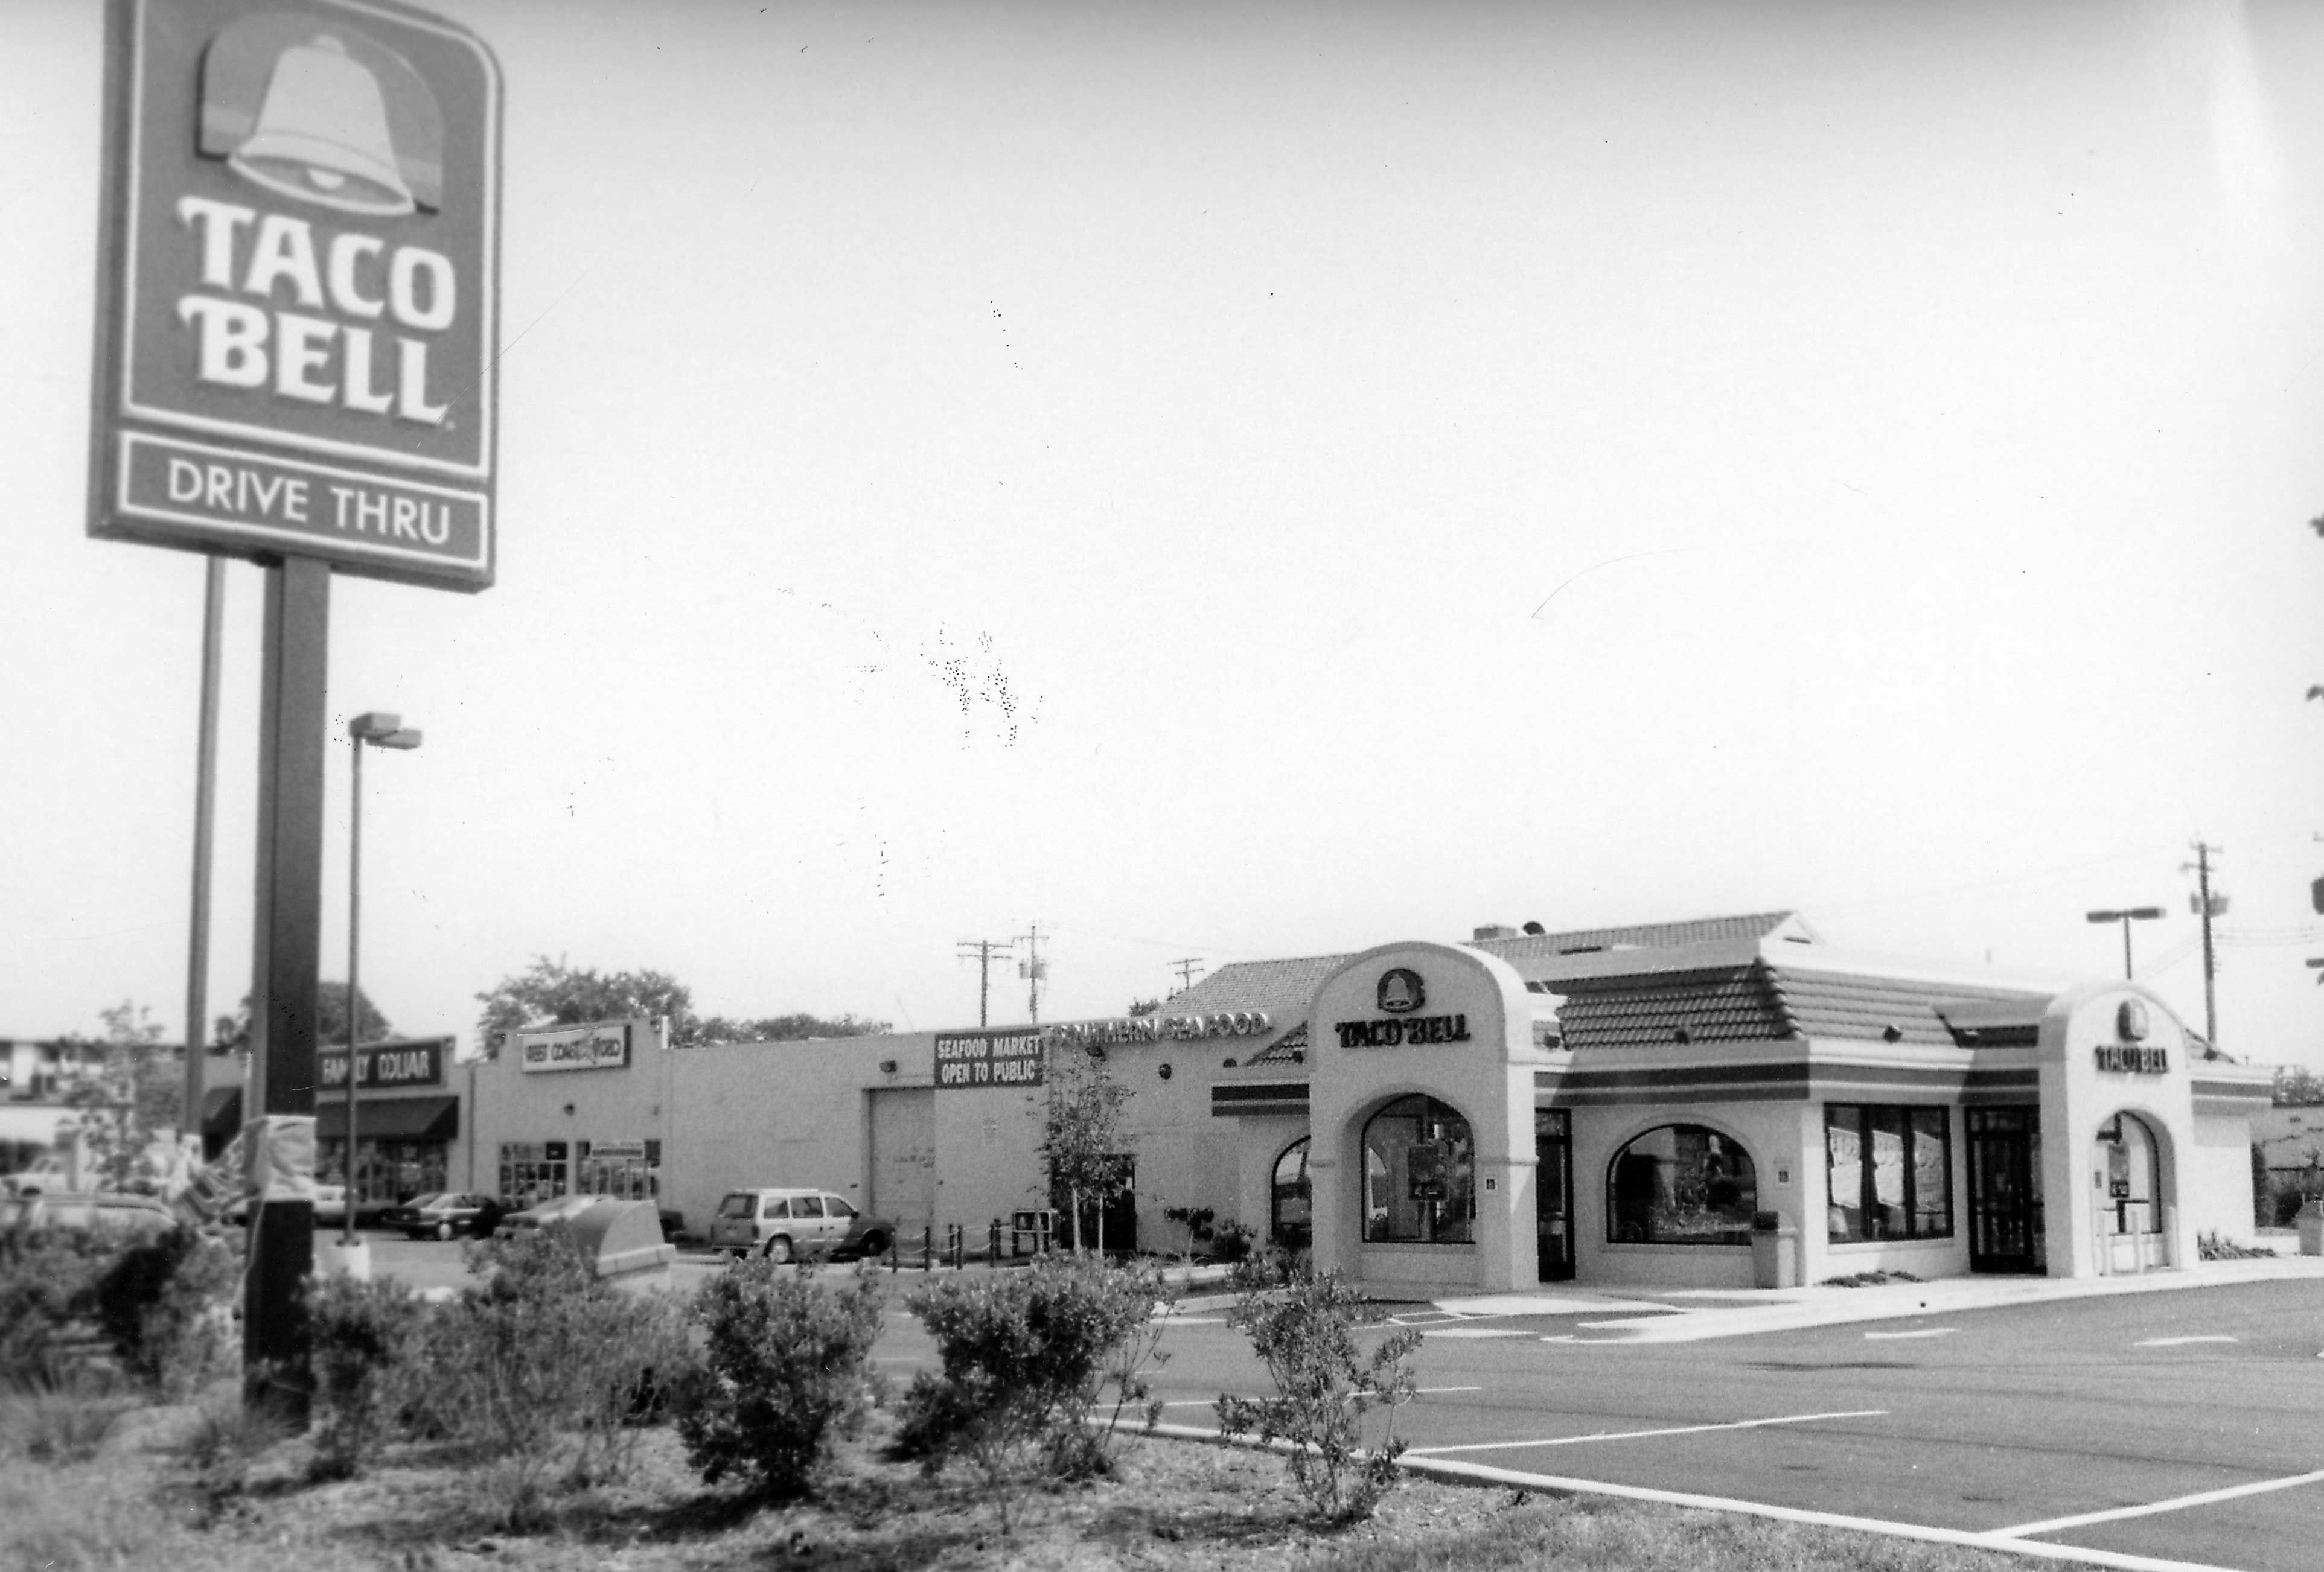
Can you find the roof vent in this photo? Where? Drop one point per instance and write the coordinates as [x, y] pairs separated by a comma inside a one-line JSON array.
[[1892, 1033], [1683, 1036], [1495, 931], [1535, 930]]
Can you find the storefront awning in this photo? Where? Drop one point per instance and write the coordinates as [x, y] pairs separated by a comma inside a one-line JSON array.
[[402, 1118]]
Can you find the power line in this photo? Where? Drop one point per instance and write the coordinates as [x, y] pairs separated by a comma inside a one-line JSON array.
[[1186, 966]]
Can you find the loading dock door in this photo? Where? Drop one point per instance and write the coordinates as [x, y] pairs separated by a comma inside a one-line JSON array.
[[904, 1155]]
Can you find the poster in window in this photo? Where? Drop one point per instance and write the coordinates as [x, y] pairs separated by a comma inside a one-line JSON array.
[[1423, 1169]]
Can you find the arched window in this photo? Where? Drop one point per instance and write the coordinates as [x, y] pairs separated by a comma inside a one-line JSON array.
[[1290, 1217], [1681, 1184], [1420, 1184]]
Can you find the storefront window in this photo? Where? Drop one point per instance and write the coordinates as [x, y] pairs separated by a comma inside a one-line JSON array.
[[386, 1171], [1681, 1184], [1888, 1173], [1290, 1220], [531, 1171], [624, 1170], [1419, 1175]]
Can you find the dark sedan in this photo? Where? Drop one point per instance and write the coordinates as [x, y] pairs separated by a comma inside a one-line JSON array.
[[444, 1215]]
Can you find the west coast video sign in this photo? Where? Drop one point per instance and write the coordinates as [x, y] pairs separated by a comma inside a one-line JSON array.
[[555, 1048], [295, 348]]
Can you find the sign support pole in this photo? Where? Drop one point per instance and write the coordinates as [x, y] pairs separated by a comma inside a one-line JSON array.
[[287, 955], [197, 941]]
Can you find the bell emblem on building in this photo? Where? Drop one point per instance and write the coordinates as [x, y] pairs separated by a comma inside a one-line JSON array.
[[322, 134], [1400, 991]]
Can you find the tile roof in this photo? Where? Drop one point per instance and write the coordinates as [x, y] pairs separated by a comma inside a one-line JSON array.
[[1751, 928], [1838, 1003], [1724, 1004], [1276, 986]]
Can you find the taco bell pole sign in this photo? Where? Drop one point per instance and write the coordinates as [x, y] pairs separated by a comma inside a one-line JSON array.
[[298, 297]]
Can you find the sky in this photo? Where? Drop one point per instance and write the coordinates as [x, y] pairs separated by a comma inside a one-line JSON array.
[[1207, 484]]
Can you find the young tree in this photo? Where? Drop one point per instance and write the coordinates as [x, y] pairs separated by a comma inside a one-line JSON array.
[[2297, 1088], [1080, 1134], [125, 1093], [791, 1028]]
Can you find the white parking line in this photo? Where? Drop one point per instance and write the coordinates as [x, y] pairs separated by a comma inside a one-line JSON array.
[[1417, 1392], [1924, 1332], [1796, 1418], [2175, 1342], [2178, 1504]]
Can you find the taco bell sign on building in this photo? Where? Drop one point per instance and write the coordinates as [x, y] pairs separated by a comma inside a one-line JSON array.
[[298, 318]]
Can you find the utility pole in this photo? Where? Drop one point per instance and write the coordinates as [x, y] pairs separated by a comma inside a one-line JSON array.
[[1033, 969], [1185, 967], [2206, 905], [983, 949]]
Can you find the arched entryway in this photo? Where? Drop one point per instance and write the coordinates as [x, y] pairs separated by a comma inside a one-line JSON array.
[[1290, 1205], [1420, 1174], [2128, 1197]]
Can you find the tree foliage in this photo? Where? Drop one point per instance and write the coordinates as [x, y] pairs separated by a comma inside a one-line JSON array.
[[2297, 1087], [552, 993], [1082, 1136], [125, 1090], [330, 1019]]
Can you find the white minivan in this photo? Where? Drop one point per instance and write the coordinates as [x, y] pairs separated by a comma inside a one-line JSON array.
[[796, 1224]]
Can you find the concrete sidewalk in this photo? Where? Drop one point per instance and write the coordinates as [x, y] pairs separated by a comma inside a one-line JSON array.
[[1668, 1315]]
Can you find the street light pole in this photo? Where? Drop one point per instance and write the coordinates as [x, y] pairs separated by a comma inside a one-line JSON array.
[[2125, 916], [377, 731]]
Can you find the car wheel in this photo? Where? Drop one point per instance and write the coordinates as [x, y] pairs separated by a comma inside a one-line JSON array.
[[444, 1230], [779, 1250], [875, 1244]]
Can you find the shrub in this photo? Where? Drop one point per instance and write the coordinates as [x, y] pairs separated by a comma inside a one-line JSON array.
[[1024, 1356], [785, 1363], [48, 1281], [228, 1436], [364, 1334], [1304, 1331], [538, 1350], [59, 1417], [166, 1305]]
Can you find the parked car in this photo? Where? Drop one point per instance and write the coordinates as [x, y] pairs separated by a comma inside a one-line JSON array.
[[561, 1209], [444, 1215], [89, 1210], [797, 1225], [330, 1206]]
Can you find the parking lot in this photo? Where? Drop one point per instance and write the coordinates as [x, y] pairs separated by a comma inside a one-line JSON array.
[[2151, 1430]]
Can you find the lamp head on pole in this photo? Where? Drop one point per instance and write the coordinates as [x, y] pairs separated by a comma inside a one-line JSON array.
[[381, 730]]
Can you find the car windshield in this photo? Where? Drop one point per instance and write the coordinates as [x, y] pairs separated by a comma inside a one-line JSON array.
[[839, 1208], [736, 1206]]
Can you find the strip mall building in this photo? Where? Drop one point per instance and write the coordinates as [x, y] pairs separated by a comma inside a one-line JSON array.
[[1676, 1104]]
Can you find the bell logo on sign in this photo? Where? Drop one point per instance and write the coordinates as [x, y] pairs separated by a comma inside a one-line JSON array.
[[296, 354], [1401, 991]]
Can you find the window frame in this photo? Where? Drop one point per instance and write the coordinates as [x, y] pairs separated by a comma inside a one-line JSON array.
[[1862, 1199], [1726, 1238], [1437, 1215]]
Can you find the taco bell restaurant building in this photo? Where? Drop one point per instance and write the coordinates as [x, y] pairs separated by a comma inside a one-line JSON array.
[[1716, 1103]]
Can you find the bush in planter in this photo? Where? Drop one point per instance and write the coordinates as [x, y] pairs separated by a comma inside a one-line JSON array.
[[166, 1304], [542, 1360], [1302, 1327], [362, 1336], [1025, 1355], [784, 1365], [48, 1281]]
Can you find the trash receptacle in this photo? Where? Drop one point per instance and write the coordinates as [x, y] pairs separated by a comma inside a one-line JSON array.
[[1775, 1251], [2311, 1224]]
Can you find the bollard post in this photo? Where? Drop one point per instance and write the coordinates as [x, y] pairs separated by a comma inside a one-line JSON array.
[[994, 1245], [928, 1245]]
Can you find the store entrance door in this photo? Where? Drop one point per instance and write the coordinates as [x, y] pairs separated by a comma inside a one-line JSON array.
[[2005, 1191], [1553, 1193]]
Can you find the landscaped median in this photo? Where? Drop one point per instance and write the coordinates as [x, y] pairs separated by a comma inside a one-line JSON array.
[[540, 1419]]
